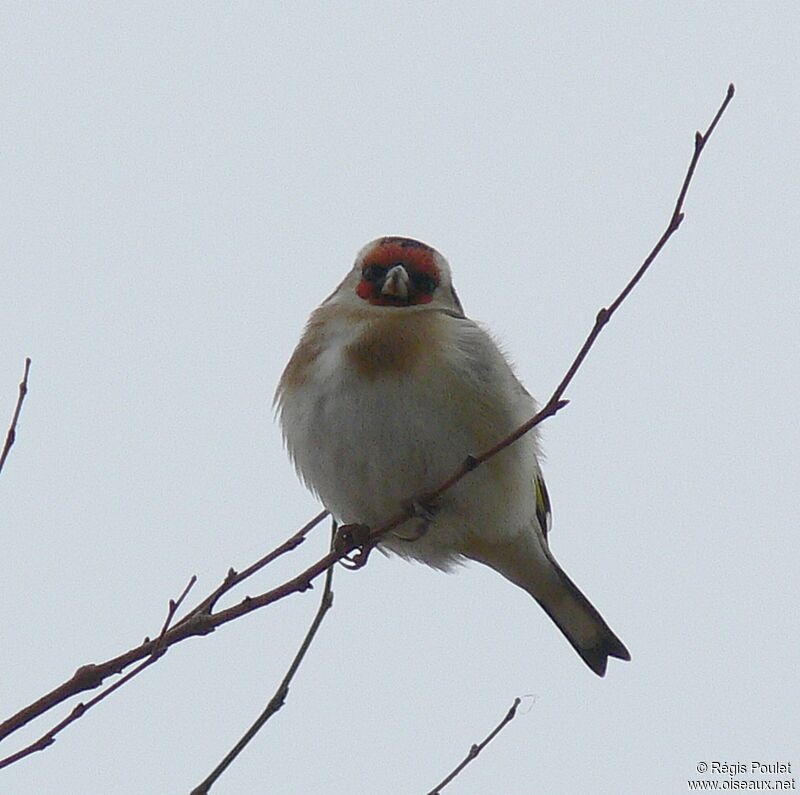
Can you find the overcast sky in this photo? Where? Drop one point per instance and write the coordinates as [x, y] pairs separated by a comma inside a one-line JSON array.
[[182, 184]]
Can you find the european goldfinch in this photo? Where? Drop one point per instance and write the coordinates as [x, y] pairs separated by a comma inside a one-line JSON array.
[[388, 391]]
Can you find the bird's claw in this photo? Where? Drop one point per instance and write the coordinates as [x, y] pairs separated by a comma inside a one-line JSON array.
[[357, 560], [419, 510], [351, 537], [422, 511]]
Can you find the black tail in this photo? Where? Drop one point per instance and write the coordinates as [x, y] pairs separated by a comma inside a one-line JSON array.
[[580, 623]]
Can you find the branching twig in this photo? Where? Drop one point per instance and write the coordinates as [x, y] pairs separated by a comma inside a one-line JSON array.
[[12, 429], [233, 577], [277, 700], [556, 402], [90, 676], [476, 749], [49, 737], [201, 620]]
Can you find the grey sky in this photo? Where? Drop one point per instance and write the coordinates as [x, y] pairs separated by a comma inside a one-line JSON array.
[[181, 185]]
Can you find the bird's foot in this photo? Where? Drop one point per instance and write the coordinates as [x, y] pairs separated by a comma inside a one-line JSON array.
[[355, 539], [419, 509]]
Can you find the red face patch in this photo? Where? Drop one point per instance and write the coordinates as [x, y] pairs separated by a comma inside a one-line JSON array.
[[415, 257]]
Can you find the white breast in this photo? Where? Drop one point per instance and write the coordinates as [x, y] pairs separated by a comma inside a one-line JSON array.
[[366, 445]]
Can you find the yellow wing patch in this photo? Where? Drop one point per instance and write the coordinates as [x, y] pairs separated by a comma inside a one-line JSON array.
[[543, 512]]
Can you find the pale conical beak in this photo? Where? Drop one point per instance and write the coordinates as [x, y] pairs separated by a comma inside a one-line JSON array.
[[396, 282]]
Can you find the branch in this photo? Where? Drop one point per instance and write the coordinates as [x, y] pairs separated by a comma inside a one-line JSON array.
[[90, 676], [277, 700], [49, 737], [556, 401], [12, 429], [233, 577], [476, 749], [202, 620]]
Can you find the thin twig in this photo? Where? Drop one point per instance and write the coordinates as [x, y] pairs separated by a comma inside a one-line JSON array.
[[90, 676], [277, 700], [233, 577], [49, 737], [11, 436], [556, 401], [201, 621], [476, 749]]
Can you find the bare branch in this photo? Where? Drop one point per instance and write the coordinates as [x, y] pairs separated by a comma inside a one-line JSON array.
[[556, 401], [12, 429], [201, 620], [49, 737], [604, 315], [90, 676], [277, 700], [233, 578], [476, 749]]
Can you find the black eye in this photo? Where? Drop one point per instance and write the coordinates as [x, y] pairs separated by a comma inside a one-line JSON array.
[[373, 273], [424, 283]]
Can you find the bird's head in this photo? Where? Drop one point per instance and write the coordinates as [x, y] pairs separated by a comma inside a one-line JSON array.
[[399, 272]]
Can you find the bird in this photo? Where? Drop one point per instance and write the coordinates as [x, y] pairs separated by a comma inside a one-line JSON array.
[[390, 388]]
